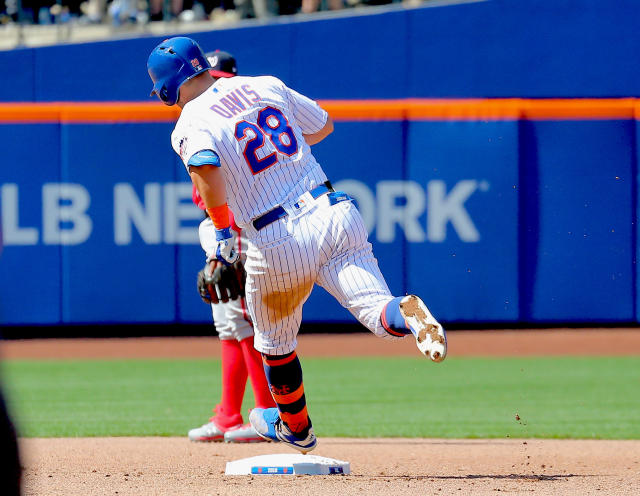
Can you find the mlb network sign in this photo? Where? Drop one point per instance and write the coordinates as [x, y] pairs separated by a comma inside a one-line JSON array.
[[164, 213]]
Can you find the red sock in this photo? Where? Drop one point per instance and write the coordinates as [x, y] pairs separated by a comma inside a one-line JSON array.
[[259, 384], [234, 381]]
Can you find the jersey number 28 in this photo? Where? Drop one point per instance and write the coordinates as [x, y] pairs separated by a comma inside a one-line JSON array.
[[271, 125]]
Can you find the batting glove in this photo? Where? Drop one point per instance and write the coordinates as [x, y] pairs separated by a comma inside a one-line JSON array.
[[224, 250]]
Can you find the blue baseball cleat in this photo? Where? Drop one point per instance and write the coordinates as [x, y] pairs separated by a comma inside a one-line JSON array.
[[269, 425]]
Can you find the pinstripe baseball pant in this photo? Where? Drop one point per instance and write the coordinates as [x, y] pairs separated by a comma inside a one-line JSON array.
[[317, 243]]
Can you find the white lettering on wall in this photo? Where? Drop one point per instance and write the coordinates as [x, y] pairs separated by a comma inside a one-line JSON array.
[[402, 203], [64, 214], [129, 211], [444, 208], [180, 208], [166, 214], [12, 233], [406, 215]]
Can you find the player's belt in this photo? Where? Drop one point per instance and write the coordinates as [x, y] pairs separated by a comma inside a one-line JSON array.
[[279, 212]]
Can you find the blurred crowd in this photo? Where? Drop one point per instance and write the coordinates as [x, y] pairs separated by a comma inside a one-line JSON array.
[[121, 12]]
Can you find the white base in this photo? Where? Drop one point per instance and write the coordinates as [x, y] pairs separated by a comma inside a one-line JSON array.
[[287, 464]]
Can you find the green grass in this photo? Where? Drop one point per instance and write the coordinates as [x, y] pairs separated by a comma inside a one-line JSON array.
[[409, 397]]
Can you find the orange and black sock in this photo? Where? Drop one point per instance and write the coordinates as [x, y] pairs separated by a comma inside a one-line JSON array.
[[284, 374]]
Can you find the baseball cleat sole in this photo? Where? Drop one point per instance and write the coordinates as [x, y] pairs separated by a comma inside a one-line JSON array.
[[431, 338]]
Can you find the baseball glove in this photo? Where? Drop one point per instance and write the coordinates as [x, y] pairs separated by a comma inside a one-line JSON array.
[[220, 283]]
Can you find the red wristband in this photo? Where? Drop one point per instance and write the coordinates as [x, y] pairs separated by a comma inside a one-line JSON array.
[[220, 216]]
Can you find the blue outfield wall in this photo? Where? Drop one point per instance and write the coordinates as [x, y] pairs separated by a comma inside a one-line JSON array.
[[579, 205], [466, 243], [507, 220], [491, 221], [492, 48]]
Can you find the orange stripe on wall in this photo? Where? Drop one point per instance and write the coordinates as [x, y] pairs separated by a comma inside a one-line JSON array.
[[423, 109], [466, 110], [345, 110], [120, 112], [28, 112], [365, 110], [623, 108], [107, 112], [483, 109]]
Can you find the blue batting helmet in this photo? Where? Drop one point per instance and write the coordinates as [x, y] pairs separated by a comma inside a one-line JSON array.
[[173, 62]]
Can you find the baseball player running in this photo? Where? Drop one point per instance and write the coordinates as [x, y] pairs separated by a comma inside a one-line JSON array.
[[246, 144], [222, 287]]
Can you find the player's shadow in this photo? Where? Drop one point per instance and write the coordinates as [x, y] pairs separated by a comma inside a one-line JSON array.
[[521, 477], [525, 477], [418, 442]]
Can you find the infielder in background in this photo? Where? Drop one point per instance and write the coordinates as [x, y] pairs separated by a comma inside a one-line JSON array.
[[247, 141], [222, 287], [10, 467]]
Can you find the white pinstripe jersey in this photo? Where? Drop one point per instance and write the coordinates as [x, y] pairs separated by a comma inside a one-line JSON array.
[[256, 126]]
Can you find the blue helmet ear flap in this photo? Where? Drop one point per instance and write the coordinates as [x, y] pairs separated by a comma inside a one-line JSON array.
[[164, 96]]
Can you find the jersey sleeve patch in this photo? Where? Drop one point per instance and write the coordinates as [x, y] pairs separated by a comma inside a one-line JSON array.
[[204, 157]]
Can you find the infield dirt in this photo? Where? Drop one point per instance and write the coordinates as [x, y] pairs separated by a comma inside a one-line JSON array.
[[175, 466]]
